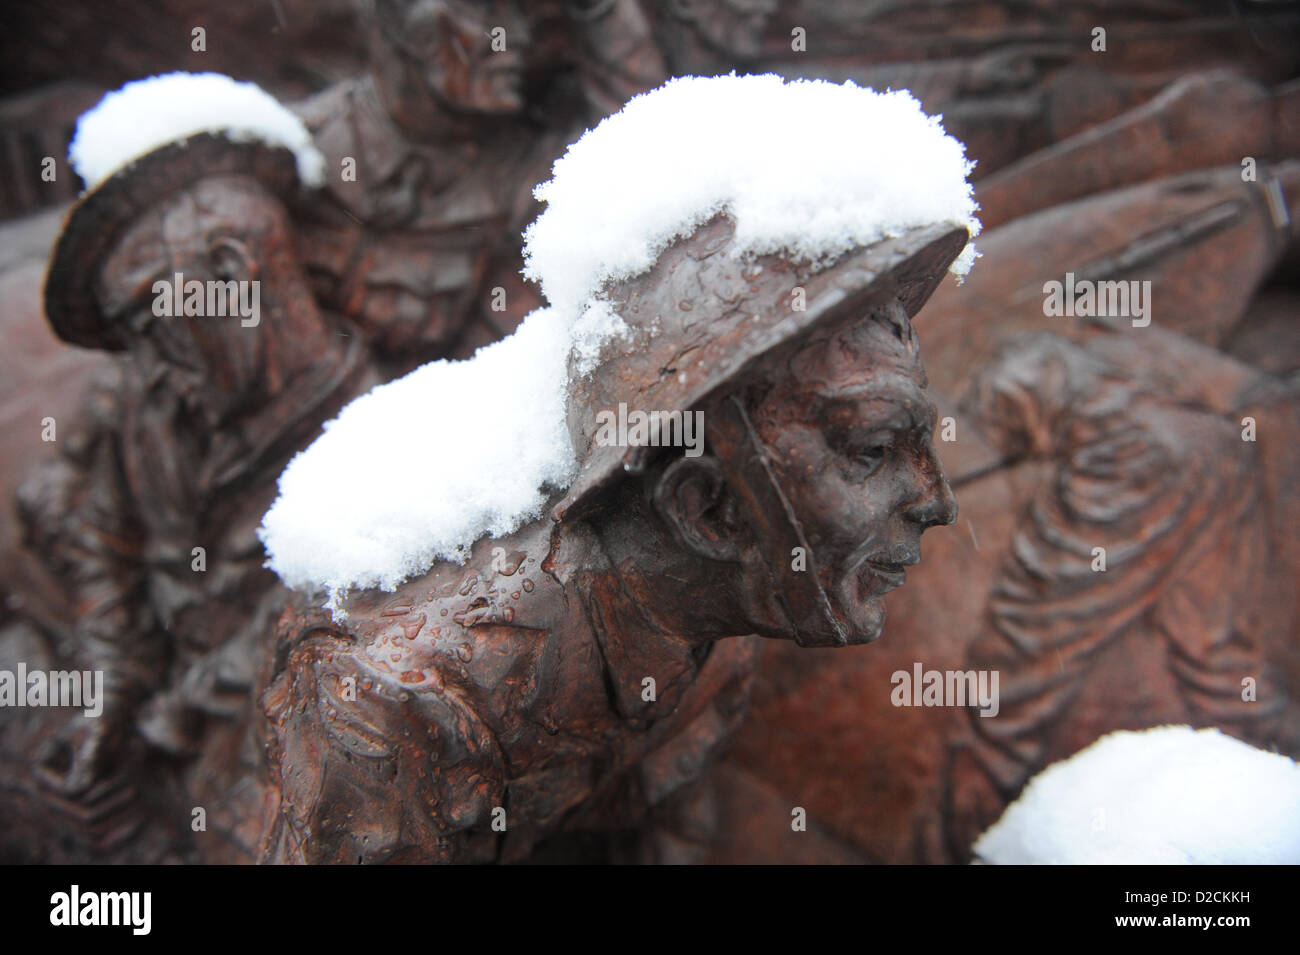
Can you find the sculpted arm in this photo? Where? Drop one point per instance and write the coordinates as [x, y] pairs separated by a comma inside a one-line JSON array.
[[367, 771]]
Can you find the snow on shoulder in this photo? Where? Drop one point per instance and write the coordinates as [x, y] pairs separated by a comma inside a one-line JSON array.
[[1164, 796], [147, 114], [419, 469]]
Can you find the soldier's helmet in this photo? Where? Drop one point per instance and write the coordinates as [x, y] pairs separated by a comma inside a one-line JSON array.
[[95, 223], [140, 144], [701, 316]]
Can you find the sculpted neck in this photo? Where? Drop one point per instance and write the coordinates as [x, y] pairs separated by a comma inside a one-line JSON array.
[[656, 588]]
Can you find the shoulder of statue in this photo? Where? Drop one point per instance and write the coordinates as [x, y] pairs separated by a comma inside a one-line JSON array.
[[330, 105]]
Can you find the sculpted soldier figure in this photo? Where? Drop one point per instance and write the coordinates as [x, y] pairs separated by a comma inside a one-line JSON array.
[[573, 675], [149, 513], [431, 164]]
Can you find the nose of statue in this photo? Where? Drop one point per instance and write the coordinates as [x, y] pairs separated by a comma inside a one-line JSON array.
[[936, 503]]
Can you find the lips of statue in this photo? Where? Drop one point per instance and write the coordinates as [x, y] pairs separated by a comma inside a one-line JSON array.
[[856, 459]]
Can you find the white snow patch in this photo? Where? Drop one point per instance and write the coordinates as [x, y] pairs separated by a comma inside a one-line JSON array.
[[416, 470], [1169, 795], [147, 114], [598, 326], [419, 469], [807, 167]]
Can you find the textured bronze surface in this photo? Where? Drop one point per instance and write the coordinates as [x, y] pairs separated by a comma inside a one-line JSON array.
[[515, 682]]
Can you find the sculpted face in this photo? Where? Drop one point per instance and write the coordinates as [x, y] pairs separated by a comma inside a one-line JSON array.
[[222, 230], [848, 430], [465, 54]]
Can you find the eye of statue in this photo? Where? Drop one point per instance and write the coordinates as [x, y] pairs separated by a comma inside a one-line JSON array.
[[867, 452]]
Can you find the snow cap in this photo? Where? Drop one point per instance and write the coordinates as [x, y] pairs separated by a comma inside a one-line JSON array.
[[1166, 796], [807, 168], [147, 114]]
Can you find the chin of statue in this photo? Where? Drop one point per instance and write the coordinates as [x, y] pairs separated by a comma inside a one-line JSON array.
[[866, 621], [854, 612], [860, 601], [847, 620]]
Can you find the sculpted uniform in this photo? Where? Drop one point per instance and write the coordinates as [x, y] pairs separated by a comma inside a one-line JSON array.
[[480, 687], [416, 241], [117, 516], [149, 513]]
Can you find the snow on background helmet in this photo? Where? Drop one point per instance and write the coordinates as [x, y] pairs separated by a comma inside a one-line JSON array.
[[145, 141]]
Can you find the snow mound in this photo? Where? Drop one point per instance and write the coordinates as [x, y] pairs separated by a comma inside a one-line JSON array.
[[419, 469], [147, 114], [807, 167], [1169, 795], [416, 470]]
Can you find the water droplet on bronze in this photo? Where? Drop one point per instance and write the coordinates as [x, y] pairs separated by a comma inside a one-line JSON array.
[[411, 629]]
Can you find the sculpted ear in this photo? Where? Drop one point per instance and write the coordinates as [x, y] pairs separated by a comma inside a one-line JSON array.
[[692, 497]]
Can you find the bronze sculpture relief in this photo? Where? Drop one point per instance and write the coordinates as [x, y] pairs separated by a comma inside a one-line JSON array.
[[591, 687], [416, 237], [1168, 445]]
